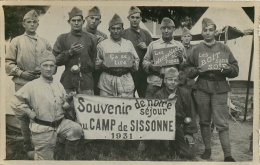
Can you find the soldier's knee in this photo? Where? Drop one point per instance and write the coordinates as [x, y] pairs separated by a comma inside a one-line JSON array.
[[76, 130]]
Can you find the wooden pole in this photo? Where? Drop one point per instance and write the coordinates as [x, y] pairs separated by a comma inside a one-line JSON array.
[[249, 76]]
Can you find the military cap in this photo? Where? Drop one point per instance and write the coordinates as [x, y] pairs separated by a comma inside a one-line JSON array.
[[46, 56], [207, 22], [31, 15], [75, 12], [185, 31], [115, 20], [94, 11], [167, 22], [171, 72], [133, 10]]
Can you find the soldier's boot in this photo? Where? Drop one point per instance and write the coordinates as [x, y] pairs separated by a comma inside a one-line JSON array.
[[225, 144], [206, 136], [71, 149]]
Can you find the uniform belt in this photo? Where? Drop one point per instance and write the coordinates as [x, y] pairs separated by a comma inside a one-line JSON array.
[[213, 77], [118, 73], [82, 70], [47, 123]]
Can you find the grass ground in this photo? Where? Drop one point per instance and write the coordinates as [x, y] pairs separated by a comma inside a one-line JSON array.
[[108, 150]]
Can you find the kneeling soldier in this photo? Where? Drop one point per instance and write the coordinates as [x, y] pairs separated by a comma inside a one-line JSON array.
[[42, 100], [185, 118]]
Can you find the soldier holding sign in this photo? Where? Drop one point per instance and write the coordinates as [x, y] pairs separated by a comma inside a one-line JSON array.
[[116, 57], [212, 61], [140, 39], [185, 118], [162, 53]]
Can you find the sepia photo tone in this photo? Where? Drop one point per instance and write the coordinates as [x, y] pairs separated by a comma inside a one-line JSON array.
[[129, 83]]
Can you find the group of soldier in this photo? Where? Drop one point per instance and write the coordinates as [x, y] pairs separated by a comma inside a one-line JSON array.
[[44, 105]]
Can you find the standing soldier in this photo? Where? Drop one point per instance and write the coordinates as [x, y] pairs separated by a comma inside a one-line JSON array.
[[21, 63], [116, 81], [186, 38], [77, 51], [211, 88], [93, 20], [140, 39], [156, 72]]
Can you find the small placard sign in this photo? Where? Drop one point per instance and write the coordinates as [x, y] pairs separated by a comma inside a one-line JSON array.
[[212, 60], [165, 56], [121, 59]]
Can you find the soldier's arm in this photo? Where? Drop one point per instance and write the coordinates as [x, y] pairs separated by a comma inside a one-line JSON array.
[[190, 128], [94, 50], [20, 102], [11, 67], [234, 69], [62, 56], [147, 61], [136, 58], [100, 57], [189, 65]]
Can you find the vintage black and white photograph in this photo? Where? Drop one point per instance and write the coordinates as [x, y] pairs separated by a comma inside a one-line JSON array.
[[129, 82]]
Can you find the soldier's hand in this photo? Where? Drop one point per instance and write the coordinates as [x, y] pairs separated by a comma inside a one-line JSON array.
[[172, 96], [226, 68], [142, 45], [104, 67], [75, 49], [155, 68], [179, 52], [28, 76]]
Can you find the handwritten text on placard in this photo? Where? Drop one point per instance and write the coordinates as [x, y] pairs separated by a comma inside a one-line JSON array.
[[122, 59], [165, 56], [213, 60]]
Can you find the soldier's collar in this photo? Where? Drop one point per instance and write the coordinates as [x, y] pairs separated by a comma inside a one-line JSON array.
[[30, 36], [136, 30], [76, 33], [118, 42], [45, 80], [162, 41], [210, 44], [90, 30]]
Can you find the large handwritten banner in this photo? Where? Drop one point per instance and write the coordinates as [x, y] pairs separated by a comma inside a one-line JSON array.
[[165, 56], [213, 60], [125, 119], [122, 59]]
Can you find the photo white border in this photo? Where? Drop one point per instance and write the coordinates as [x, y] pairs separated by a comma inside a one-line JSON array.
[[131, 3]]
